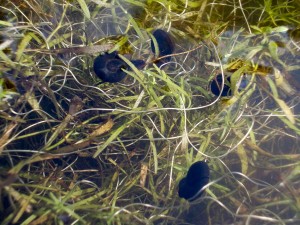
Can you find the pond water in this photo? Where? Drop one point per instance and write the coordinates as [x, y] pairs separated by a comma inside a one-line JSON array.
[[75, 149]]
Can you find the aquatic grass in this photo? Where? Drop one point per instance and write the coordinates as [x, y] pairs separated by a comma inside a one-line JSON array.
[[82, 162]]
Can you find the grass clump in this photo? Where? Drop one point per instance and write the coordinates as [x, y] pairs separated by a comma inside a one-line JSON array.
[[76, 151]]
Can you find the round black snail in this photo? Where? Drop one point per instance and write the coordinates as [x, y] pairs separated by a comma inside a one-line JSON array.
[[109, 67], [216, 85], [165, 45], [196, 178]]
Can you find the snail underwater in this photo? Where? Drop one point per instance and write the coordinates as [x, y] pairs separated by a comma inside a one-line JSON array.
[[190, 187], [109, 67], [216, 85], [165, 46]]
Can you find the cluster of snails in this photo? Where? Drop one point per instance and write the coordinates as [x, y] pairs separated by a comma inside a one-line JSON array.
[[109, 67]]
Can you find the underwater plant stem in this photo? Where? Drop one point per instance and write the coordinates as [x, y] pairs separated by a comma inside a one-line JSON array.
[[75, 50]]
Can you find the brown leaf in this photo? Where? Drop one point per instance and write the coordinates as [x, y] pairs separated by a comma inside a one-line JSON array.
[[4, 140], [144, 171], [102, 129]]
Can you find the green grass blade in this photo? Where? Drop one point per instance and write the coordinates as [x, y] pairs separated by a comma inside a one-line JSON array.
[[113, 136]]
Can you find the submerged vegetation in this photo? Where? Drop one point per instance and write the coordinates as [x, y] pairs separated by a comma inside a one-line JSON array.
[[75, 150]]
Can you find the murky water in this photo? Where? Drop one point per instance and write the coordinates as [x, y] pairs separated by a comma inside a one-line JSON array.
[[157, 121]]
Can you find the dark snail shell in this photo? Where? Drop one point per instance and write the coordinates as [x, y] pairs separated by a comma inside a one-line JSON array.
[[139, 63], [196, 178], [216, 86], [108, 67], [165, 45]]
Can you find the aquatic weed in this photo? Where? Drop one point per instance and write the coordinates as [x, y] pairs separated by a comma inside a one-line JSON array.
[[75, 151]]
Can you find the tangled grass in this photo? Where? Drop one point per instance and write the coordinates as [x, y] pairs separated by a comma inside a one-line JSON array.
[[73, 151]]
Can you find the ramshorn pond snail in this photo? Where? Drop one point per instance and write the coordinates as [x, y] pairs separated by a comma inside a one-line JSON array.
[[216, 85], [108, 67], [165, 45], [196, 178]]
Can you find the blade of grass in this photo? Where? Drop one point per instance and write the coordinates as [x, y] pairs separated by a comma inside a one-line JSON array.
[[153, 147], [243, 158], [84, 8], [113, 136], [25, 41]]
